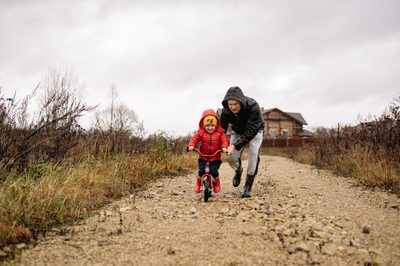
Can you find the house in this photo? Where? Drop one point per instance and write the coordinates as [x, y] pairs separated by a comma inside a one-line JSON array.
[[279, 124]]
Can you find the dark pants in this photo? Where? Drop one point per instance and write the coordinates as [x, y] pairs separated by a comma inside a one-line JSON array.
[[214, 166]]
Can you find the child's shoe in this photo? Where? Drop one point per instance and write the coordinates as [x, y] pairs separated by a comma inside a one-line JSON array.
[[198, 185], [217, 185]]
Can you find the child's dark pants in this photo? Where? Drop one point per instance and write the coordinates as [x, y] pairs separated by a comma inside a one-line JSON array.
[[214, 166]]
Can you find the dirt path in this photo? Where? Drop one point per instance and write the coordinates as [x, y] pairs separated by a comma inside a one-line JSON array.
[[297, 216]]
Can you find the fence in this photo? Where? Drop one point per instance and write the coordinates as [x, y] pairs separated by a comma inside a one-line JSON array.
[[285, 143]]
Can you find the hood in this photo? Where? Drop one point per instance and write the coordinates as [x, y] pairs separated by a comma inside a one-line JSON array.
[[234, 93], [210, 112]]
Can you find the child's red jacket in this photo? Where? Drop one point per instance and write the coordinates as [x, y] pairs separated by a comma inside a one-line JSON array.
[[210, 143]]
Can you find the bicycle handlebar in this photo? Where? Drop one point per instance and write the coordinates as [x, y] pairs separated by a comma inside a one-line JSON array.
[[199, 152]]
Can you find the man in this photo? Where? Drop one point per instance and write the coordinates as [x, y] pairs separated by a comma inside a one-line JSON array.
[[244, 115]]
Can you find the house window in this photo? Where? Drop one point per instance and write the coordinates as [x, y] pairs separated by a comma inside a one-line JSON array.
[[273, 133], [285, 133]]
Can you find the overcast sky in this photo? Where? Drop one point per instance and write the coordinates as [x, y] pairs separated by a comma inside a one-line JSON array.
[[170, 60]]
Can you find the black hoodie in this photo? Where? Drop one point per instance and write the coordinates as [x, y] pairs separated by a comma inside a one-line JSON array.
[[248, 121]]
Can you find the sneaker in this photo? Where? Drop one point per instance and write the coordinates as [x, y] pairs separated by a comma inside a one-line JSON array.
[[217, 185], [198, 185]]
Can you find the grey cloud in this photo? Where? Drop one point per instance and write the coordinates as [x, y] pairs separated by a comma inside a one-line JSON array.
[[297, 55]]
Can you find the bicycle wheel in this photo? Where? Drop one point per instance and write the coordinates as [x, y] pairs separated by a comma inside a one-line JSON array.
[[207, 190]]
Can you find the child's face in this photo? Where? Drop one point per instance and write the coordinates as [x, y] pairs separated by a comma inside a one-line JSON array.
[[210, 128]]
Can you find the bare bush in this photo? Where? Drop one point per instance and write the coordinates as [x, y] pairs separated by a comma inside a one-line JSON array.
[[50, 134]]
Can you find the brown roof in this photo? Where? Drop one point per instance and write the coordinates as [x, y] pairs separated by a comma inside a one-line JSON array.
[[296, 116]]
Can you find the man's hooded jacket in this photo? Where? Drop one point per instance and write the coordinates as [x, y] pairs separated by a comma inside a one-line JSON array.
[[247, 122]]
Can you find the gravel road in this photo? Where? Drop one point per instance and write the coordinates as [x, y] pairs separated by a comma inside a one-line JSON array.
[[298, 215]]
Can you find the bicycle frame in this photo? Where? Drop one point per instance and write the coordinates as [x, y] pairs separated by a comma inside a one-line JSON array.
[[207, 180]]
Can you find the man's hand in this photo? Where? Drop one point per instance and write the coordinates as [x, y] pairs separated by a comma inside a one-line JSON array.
[[231, 149], [224, 150], [190, 148]]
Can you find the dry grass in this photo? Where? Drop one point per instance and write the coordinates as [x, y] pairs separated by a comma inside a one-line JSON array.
[[64, 194], [53, 172], [14, 234], [359, 162], [372, 169], [369, 152]]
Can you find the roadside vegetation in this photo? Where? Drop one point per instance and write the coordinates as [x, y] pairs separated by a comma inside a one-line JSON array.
[[53, 172], [369, 151]]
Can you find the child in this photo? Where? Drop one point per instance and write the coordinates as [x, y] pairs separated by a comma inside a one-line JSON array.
[[212, 138]]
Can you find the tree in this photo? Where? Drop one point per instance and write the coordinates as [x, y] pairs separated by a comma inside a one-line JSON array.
[[119, 118]]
